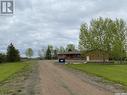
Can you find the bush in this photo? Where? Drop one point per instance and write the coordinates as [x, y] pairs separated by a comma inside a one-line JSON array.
[[2, 58]]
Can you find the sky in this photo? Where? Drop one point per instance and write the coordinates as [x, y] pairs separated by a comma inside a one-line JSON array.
[[37, 23]]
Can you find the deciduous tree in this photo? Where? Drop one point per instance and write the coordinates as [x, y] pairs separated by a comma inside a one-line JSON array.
[[29, 52], [104, 34]]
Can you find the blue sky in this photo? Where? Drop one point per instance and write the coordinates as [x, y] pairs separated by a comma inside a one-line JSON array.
[[37, 23]]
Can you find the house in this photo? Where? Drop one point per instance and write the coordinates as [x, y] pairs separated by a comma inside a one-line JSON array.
[[96, 56], [88, 56], [70, 55]]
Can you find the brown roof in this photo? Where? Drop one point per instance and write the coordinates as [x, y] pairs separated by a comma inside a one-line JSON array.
[[77, 52]]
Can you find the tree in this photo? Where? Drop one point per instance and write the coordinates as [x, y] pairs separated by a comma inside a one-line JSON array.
[[12, 54], [61, 50], [52, 50], [2, 58], [70, 47], [29, 52], [104, 34], [55, 54], [48, 53], [119, 43]]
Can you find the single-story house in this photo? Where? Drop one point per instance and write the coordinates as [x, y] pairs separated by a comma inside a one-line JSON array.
[[88, 56], [70, 55], [96, 56]]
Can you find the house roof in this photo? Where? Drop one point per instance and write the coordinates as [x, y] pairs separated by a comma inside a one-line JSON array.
[[76, 52]]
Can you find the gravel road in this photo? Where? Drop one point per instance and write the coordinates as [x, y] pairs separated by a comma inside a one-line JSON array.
[[58, 81]]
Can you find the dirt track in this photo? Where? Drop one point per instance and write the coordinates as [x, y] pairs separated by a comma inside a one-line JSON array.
[[58, 81]]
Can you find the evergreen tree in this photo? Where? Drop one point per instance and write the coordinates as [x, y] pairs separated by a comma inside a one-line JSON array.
[[48, 53], [12, 54]]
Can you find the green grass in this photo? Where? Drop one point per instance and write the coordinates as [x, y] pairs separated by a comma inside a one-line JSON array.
[[115, 73], [8, 69]]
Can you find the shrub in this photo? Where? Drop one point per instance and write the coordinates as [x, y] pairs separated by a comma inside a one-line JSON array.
[[2, 58]]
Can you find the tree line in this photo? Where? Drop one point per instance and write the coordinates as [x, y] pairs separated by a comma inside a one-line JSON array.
[[106, 35], [13, 54], [51, 52]]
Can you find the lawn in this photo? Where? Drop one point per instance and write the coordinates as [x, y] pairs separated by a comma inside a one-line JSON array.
[[8, 69], [115, 73]]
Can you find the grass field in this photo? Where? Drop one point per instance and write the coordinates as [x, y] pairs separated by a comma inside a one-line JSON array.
[[115, 73], [8, 69]]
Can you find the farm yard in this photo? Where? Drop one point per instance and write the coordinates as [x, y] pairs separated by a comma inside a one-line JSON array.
[[63, 47], [48, 77]]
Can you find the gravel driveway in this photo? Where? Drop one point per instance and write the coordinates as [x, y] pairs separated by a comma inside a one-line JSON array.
[[58, 81]]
